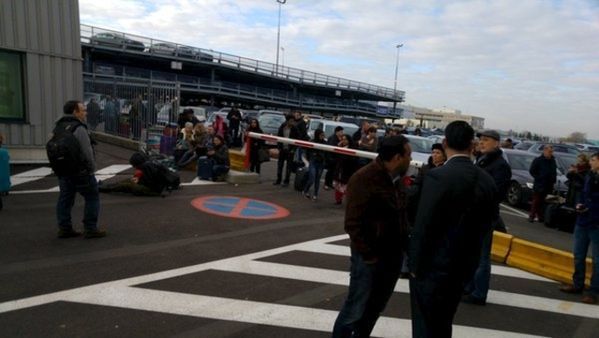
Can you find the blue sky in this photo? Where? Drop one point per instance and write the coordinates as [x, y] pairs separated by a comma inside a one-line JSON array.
[[523, 65]]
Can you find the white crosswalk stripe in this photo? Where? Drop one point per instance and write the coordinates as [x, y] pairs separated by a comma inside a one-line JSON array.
[[124, 294], [103, 174]]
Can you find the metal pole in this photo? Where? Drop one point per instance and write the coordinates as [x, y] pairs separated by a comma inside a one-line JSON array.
[[281, 2], [395, 82], [283, 57]]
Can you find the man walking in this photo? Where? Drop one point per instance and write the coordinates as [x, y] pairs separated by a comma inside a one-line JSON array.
[[79, 178], [544, 170], [286, 151], [375, 220], [496, 166], [455, 212]]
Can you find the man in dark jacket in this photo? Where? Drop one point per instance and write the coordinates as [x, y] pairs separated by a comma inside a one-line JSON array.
[[286, 151], [586, 232], [544, 170], [83, 182], [234, 117], [496, 166], [375, 220], [454, 214]]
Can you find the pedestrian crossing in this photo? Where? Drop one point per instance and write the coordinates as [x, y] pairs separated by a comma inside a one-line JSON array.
[[302, 286], [42, 179]]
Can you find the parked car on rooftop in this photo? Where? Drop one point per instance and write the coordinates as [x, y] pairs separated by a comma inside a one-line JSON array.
[[116, 41]]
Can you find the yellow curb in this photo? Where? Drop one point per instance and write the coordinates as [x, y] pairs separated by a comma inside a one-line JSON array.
[[501, 246], [544, 261]]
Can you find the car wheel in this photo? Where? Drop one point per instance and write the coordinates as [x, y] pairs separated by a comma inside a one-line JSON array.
[[514, 194]]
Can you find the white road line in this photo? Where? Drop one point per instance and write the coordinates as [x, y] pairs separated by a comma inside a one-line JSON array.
[[197, 181], [340, 250], [30, 175], [111, 171], [252, 312], [514, 210]]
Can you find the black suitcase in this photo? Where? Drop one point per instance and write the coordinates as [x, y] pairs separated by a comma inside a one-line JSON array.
[[301, 179], [561, 217]]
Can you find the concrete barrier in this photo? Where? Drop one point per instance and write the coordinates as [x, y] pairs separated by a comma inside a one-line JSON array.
[[237, 160], [543, 260], [502, 243]]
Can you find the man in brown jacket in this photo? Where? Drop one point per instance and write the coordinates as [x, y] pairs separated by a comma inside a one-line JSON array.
[[375, 220]]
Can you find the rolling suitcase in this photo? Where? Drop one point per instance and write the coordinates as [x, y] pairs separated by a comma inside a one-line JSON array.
[[301, 179], [204, 168]]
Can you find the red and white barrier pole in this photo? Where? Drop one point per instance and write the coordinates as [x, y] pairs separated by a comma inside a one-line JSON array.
[[320, 146]]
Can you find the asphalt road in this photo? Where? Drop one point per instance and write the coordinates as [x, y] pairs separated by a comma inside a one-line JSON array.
[[168, 269]]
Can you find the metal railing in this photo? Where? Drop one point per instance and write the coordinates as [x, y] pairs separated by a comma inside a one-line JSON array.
[[111, 39], [240, 91]]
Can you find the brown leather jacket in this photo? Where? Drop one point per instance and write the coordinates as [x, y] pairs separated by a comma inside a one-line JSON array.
[[375, 217]]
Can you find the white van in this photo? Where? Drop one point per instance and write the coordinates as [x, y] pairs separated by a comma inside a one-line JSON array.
[[329, 126]]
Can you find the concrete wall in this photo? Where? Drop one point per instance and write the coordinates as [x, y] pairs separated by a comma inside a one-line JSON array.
[[47, 32]]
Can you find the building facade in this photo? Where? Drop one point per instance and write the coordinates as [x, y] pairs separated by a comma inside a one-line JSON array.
[[40, 69]]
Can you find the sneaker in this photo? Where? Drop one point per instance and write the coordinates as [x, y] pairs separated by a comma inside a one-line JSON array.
[[95, 234], [326, 187], [589, 299], [469, 299], [306, 195], [314, 198], [62, 233], [570, 289]]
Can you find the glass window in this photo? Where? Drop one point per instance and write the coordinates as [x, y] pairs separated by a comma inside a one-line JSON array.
[[12, 101]]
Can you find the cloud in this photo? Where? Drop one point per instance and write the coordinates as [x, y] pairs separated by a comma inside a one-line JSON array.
[[520, 64]]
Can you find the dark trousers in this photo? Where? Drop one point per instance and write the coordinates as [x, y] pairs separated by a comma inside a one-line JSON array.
[[479, 285], [328, 177], [370, 287], [87, 186], [538, 205], [254, 161], [285, 156], [434, 298]]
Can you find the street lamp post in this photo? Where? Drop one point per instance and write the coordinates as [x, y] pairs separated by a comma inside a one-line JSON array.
[[283, 57], [398, 46], [281, 2]]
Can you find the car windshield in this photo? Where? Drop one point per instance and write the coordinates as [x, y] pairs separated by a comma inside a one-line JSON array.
[[421, 145], [520, 161], [270, 121]]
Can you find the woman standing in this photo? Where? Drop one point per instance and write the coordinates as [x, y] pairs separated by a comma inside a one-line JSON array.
[[254, 146], [344, 168], [317, 159]]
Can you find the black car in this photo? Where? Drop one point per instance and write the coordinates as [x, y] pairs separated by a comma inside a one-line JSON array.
[[520, 190], [117, 41]]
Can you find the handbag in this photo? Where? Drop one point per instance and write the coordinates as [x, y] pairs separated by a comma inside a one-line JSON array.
[[263, 155]]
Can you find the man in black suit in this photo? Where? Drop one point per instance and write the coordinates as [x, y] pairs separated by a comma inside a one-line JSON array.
[[455, 211]]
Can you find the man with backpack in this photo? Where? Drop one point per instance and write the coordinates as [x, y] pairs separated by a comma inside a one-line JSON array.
[[71, 155]]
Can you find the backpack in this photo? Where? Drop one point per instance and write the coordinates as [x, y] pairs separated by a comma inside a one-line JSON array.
[[158, 177], [64, 151]]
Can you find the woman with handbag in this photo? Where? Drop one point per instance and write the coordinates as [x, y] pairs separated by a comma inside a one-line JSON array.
[[255, 147]]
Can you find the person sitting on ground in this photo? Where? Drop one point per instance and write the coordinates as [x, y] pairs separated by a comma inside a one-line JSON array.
[[198, 146], [586, 232], [145, 180], [219, 156], [185, 143]]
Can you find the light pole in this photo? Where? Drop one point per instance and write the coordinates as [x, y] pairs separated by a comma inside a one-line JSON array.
[[398, 46], [281, 2], [283, 57]]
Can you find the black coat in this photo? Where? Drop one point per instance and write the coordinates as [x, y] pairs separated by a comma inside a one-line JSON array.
[[455, 211], [544, 171], [501, 172], [294, 134]]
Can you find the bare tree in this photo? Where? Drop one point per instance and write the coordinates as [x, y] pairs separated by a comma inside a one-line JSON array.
[[576, 137]]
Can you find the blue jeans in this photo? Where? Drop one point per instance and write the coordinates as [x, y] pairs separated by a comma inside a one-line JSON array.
[[370, 287], [479, 285], [583, 236], [315, 172], [86, 186]]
